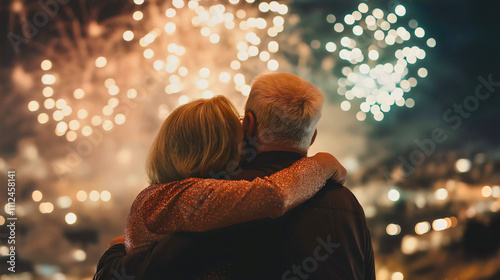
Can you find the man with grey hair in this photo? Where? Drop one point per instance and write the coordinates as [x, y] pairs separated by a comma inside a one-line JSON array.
[[288, 109], [327, 237]]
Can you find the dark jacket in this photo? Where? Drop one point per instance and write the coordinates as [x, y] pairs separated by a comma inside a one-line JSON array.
[[324, 238]]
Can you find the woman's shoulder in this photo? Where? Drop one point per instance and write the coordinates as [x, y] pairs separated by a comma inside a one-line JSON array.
[[165, 188]]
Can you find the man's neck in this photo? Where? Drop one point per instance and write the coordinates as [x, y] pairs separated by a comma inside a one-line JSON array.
[[276, 148]]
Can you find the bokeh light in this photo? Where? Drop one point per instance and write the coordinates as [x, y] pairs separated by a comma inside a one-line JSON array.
[[393, 229], [463, 165], [422, 228], [37, 195], [81, 195], [46, 207], [70, 218], [441, 194], [79, 255], [64, 202], [393, 195]]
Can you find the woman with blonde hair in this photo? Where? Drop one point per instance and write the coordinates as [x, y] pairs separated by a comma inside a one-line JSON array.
[[197, 140]]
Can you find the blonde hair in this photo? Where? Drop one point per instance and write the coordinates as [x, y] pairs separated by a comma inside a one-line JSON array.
[[196, 139], [286, 109]]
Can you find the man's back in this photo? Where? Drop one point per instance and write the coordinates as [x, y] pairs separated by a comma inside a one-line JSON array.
[[324, 238]]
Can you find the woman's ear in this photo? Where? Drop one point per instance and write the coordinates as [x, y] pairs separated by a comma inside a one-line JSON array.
[[249, 125]]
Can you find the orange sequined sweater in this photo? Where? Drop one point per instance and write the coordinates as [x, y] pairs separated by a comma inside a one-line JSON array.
[[205, 204]]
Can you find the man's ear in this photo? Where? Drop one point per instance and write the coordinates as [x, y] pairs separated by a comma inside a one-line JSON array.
[[314, 136], [249, 125]]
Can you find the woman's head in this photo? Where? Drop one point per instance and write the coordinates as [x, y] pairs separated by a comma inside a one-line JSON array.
[[196, 139]]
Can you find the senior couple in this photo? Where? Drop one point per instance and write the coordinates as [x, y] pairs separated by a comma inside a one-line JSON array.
[[240, 199]]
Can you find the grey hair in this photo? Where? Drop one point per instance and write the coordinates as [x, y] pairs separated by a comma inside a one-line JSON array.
[[286, 108]]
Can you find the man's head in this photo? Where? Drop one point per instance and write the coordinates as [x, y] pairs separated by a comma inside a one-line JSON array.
[[283, 110]]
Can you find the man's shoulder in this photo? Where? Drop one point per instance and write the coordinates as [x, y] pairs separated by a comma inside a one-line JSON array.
[[336, 197], [333, 196]]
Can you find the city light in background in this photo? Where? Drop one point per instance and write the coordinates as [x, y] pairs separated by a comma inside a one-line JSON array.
[[93, 86]]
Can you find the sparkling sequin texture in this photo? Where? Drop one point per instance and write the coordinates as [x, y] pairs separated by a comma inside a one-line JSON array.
[[205, 204]]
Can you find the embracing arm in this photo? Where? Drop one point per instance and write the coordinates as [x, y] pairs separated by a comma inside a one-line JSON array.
[[208, 204]]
